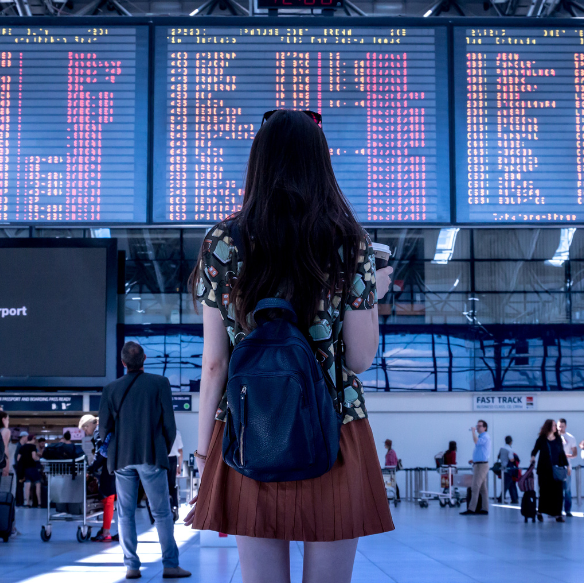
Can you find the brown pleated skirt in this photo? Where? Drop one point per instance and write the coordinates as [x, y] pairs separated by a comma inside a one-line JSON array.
[[345, 503]]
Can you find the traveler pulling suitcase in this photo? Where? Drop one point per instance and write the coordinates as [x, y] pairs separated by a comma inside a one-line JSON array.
[[7, 511]]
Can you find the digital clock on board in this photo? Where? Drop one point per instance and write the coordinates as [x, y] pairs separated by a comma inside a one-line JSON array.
[[300, 4]]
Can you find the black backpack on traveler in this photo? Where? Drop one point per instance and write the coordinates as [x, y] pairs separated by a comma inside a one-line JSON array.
[[282, 423], [529, 505]]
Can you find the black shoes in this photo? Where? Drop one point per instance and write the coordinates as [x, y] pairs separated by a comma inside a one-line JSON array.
[[540, 517], [468, 513], [482, 512], [569, 514]]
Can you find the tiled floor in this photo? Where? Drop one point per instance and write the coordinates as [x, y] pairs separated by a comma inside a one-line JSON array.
[[433, 545]]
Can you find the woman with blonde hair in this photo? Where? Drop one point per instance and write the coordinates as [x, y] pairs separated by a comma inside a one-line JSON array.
[[107, 481]]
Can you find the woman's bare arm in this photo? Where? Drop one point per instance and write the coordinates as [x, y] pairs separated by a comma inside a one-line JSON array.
[[213, 375]]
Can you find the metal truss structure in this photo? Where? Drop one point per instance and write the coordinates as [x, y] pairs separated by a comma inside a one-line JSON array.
[[364, 8]]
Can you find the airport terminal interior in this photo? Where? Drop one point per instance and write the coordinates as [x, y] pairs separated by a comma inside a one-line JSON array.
[[456, 132]]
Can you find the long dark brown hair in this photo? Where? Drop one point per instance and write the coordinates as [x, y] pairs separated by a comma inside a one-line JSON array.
[[293, 219], [546, 428]]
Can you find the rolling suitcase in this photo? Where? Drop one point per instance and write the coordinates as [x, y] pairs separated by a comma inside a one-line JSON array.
[[7, 512], [529, 505]]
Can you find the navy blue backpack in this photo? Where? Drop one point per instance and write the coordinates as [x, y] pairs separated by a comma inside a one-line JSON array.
[[282, 423]]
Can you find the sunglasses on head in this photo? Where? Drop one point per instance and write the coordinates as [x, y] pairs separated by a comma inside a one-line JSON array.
[[315, 117]]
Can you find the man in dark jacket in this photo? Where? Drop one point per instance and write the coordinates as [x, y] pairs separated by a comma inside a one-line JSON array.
[[137, 410]]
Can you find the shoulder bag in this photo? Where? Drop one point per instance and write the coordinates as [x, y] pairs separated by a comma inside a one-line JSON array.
[[560, 472]]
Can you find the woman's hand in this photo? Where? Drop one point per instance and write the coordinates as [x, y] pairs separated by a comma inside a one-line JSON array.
[[569, 471], [190, 517], [532, 459], [383, 281]]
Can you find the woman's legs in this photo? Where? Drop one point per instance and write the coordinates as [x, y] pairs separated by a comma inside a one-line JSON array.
[[38, 493], [330, 562], [264, 560]]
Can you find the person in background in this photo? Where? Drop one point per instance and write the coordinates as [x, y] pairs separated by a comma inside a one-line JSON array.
[[107, 482], [66, 437], [175, 459], [22, 439], [28, 463], [450, 454], [88, 443], [480, 470], [137, 410], [41, 444], [390, 456], [571, 451], [507, 459], [5, 439], [551, 453]]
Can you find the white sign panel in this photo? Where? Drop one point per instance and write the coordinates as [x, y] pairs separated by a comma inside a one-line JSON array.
[[503, 402]]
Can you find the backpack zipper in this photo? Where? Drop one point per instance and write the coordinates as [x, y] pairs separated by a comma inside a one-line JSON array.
[[242, 421]]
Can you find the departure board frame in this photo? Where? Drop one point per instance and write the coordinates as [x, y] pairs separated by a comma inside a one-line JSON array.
[[339, 23], [141, 148], [450, 25]]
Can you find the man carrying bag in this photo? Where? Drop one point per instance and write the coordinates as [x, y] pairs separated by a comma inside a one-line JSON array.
[[137, 410]]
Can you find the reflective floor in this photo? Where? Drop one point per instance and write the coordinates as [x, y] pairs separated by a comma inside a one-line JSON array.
[[433, 545]]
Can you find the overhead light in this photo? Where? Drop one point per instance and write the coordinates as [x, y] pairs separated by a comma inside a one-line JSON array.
[[428, 13], [194, 12], [563, 251], [456, 282], [445, 245], [137, 298]]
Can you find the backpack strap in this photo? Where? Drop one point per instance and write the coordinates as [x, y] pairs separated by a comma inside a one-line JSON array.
[[340, 386]]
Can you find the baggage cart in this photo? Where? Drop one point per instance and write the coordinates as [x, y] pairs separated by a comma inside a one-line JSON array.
[[449, 496], [391, 489], [73, 474]]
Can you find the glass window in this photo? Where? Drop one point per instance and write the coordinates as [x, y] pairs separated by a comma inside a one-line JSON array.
[[515, 243], [521, 308], [149, 244], [512, 276], [149, 308]]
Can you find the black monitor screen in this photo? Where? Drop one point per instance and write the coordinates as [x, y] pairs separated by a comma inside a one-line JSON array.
[[54, 312], [73, 124], [382, 93], [519, 105]]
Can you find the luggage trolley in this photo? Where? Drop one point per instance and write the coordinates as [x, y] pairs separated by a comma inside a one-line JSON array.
[[390, 484], [91, 507], [449, 496]]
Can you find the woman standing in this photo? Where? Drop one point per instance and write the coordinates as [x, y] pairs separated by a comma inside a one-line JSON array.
[[390, 456], [551, 454], [300, 242], [107, 481], [450, 454]]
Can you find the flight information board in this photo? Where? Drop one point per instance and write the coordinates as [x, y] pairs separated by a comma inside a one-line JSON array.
[[73, 124], [382, 92], [519, 124]]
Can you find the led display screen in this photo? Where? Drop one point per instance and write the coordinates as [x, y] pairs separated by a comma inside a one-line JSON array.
[[519, 118], [382, 93], [57, 312], [73, 124]]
